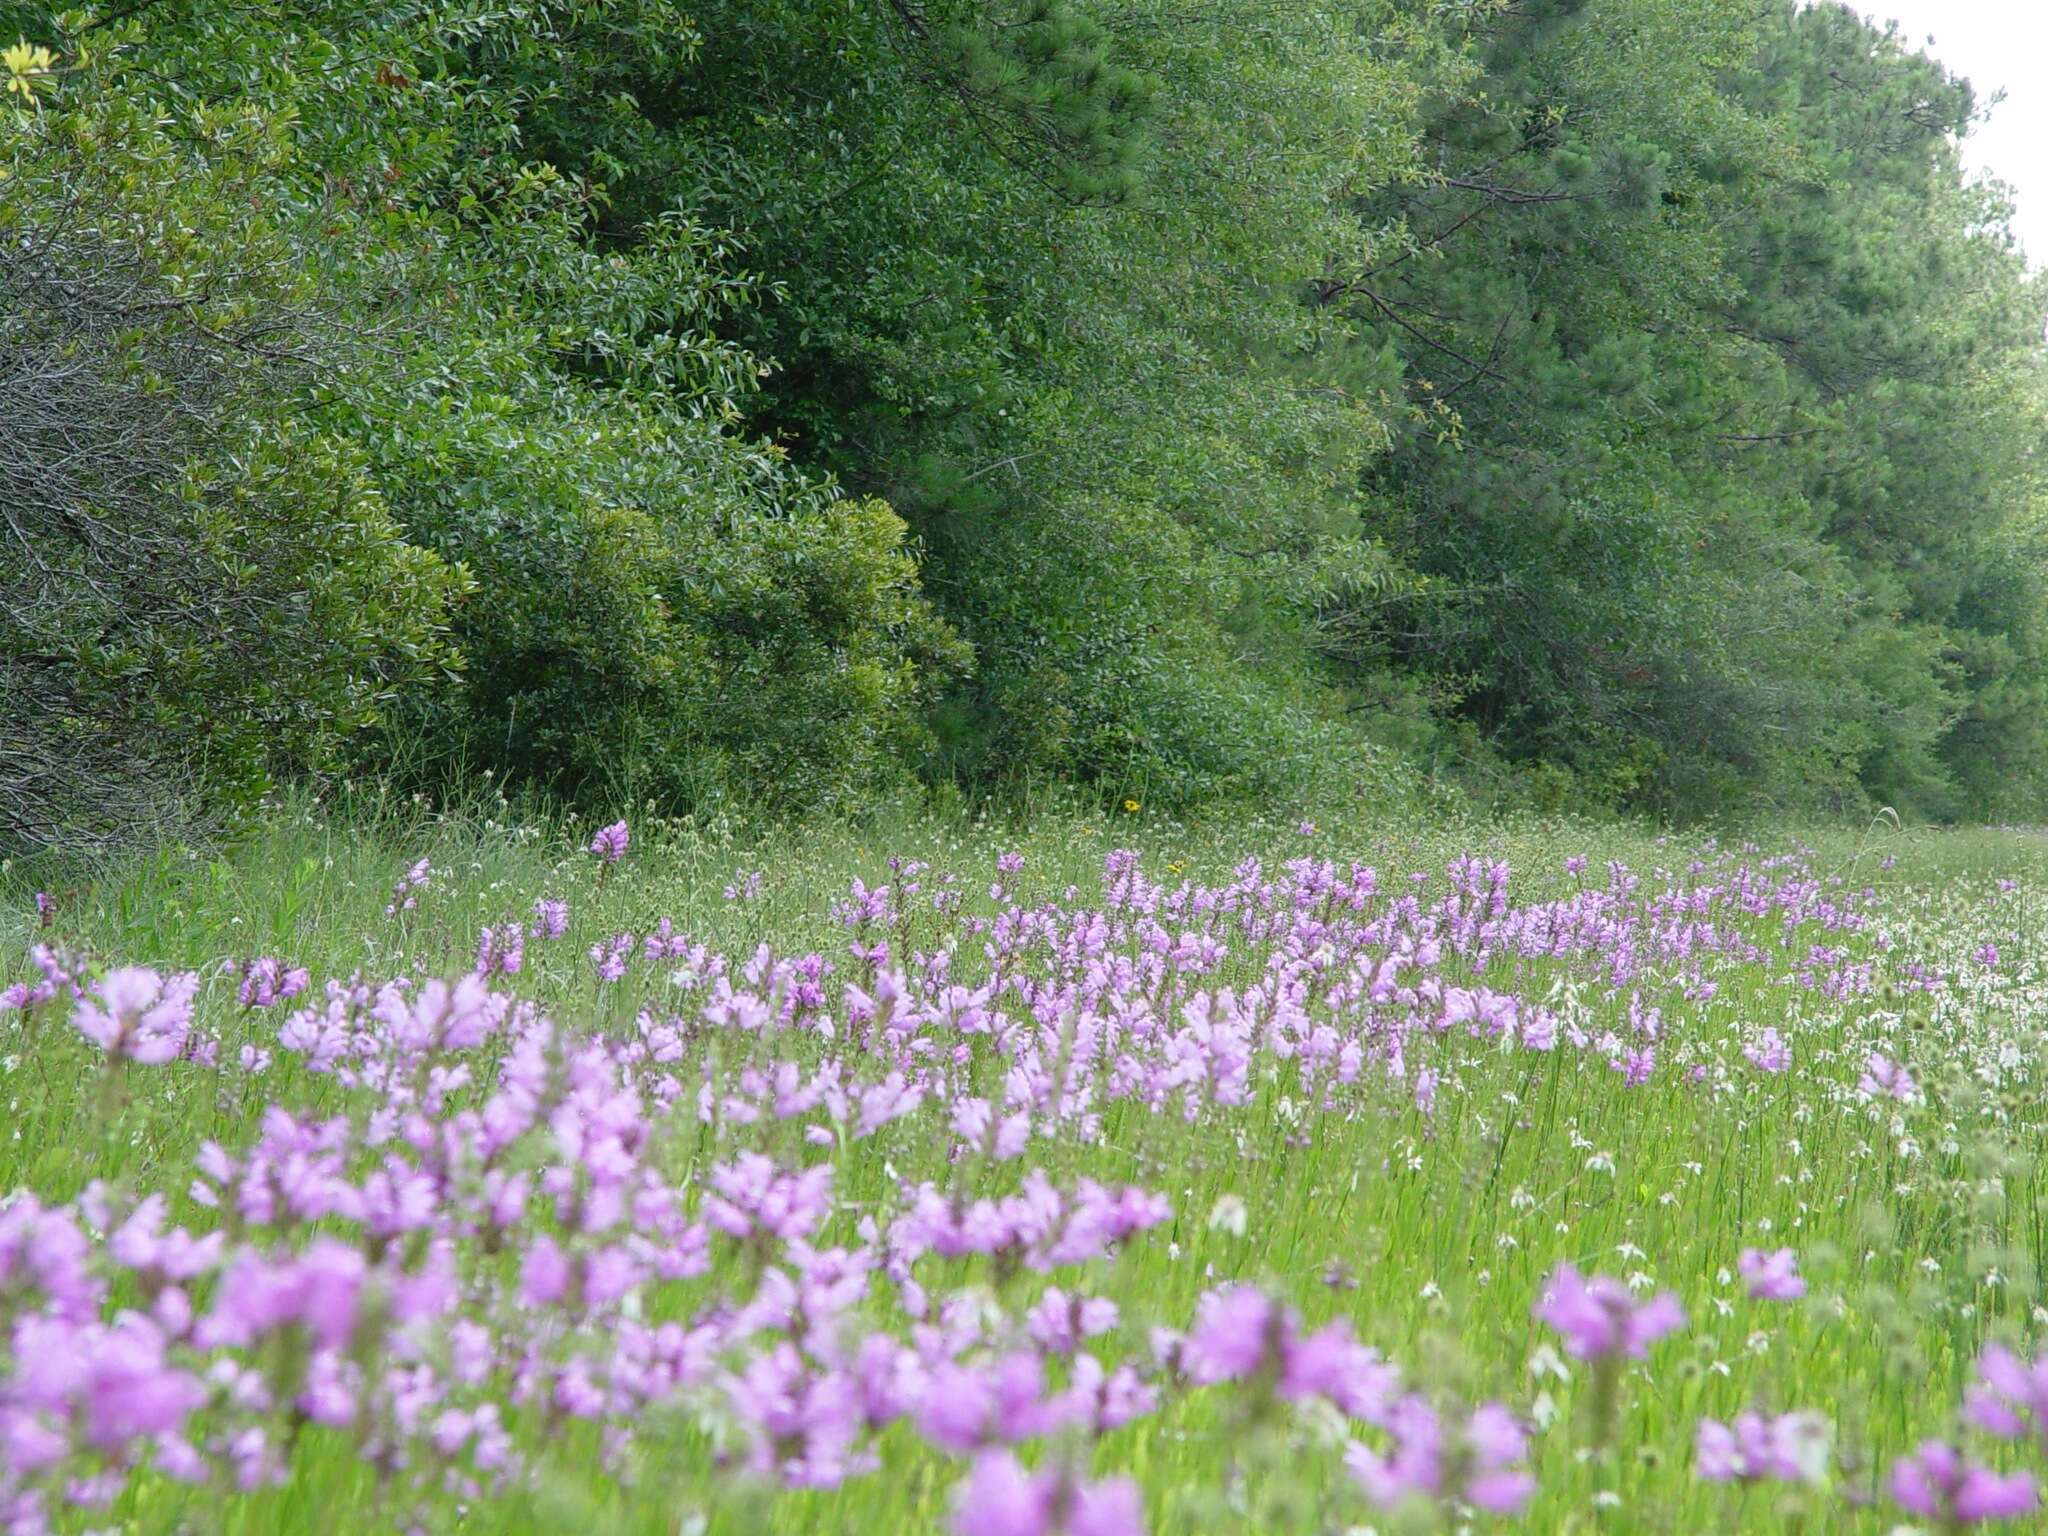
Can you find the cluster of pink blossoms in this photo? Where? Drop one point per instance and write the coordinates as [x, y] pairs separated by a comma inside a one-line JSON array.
[[488, 1223]]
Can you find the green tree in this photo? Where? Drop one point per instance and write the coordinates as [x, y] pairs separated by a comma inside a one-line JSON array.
[[683, 398], [1083, 372], [1908, 339], [1721, 383]]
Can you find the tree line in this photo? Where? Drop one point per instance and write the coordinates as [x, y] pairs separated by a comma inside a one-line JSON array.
[[1626, 404]]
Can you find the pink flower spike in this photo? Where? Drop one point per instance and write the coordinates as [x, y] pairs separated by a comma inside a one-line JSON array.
[[1768, 1052], [138, 1015], [1109, 1508], [999, 1498], [1598, 1317], [2008, 1393], [1985, 1495], [1885, 1078], [1790, 1448], [1935, 1483], [1771, 1275], [1235, 1330]]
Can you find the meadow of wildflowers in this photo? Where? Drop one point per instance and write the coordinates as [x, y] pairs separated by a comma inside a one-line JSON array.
[[1102, 1180]]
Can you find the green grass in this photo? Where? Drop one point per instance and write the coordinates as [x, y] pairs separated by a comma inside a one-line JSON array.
[[1432, 1233]]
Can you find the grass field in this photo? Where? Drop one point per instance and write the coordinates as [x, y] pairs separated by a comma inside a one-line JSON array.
[[736, 1206]]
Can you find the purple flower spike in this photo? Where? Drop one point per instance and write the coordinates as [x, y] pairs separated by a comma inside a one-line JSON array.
[[1598, 1318], [1935, 1482], [1495, 1481], [138, 1015], [266, 982], [1421, 1462], [1001, 1498], [550, 919], [1768, 1052], [1884, 1078], [1771, 1275], [405, 890], [1235, 1331], [610, 842], [1112, 1507], [1792, 1448], [2009, 1393]]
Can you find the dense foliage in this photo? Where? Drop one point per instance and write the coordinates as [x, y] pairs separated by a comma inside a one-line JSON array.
[[198, 580], [1613, 402], [1743, 494]]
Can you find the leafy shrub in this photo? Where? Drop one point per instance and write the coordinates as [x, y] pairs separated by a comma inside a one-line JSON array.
[[198, 583], [664, 609], [667, 610]]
